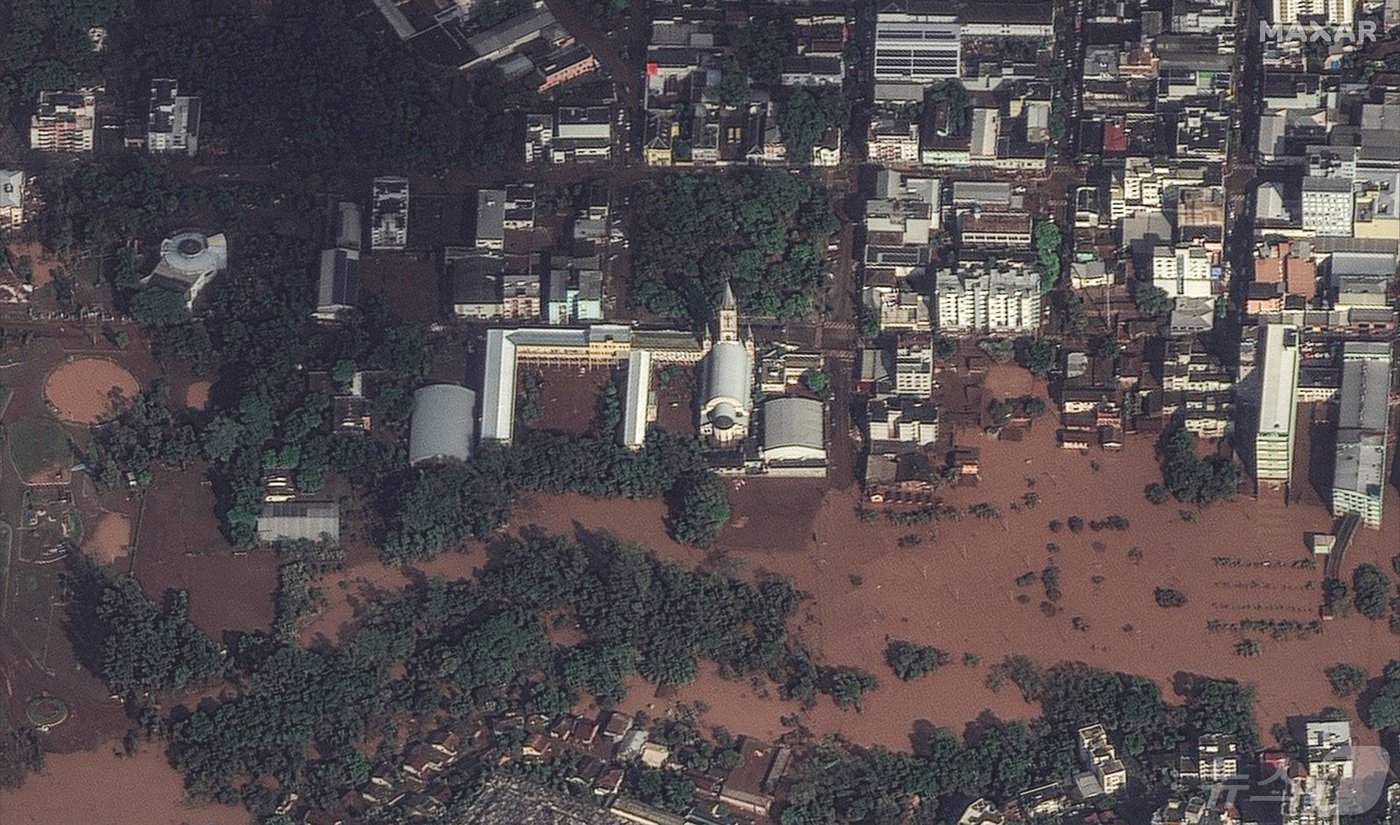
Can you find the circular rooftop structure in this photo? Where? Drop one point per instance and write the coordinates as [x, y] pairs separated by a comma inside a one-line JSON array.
[[192, 253]]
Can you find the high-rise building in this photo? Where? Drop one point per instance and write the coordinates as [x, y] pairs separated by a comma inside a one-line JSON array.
[[1330, 12], [1327, 206], [1358, 478], [992, 296], [1278, 404], [64, 121]]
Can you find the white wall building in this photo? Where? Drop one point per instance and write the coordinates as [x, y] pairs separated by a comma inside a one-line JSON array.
[[1278, 405], [1183, 271], [997, 296], [173, 123], [1328, 204], [1331, 12]]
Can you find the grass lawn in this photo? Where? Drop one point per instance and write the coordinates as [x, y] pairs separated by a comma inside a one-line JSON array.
[[36, 444], [29, 352], [32, 591]]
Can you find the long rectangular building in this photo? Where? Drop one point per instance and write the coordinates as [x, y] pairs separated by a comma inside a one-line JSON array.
[[1358, 479], [596, 345], [1278, 404]]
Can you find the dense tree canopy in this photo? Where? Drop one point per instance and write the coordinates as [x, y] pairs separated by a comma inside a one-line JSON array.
[[764, 231], [806, 115], [355, 98], [1195, 480]]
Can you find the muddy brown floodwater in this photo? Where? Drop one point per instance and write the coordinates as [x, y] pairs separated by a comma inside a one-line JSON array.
[[953, 585], [98, 787]]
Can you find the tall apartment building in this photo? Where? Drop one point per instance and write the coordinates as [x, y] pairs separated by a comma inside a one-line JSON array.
[[913, 369], [917, 48], [1183, 271], [993, 296], [64, 121], [173, 123], [1331, 12], [1328, 204], [1358, 479], [1278, 405]]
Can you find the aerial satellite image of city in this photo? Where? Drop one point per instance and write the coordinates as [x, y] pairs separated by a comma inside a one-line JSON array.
[[699, 412]]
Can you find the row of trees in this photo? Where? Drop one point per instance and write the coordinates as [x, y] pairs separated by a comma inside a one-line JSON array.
[[430, 509]]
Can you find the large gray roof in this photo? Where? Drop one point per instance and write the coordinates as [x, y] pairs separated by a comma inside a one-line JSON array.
[[729, 374], [292, 520], [793, 422], [443, 423]]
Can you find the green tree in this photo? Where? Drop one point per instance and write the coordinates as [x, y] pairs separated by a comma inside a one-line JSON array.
[[1047, 240], [701, 508], [1346, 680], [1370, 591], [1151, 300], [909, 661]]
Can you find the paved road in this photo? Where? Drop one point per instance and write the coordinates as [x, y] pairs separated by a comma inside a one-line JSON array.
[[603, 47]]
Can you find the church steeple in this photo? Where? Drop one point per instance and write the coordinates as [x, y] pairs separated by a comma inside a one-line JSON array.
[[728, 315]]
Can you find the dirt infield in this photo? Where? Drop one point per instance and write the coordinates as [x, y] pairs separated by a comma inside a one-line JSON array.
[[109, 538], [87, 390], [197, 395]]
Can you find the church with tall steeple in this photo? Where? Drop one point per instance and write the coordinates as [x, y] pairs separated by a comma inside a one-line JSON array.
[[727, 390]]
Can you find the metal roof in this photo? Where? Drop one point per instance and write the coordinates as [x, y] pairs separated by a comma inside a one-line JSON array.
[[1278, 403], [793, 422], [444, 418], [292, 520]]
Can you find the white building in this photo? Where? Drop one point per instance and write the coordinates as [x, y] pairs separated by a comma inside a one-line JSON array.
[[64, 121], [173, 123], [638, 407], [1278, 405], [1183, 271], [389, 214], [11, 198], [913, 370], [189, 260], [1314, 797], [728, 386], [917, 48], [1330, 12], [1217, 757], [993, 296], [1098, 755], [443, 426], [1358, 478], [1328, 204]]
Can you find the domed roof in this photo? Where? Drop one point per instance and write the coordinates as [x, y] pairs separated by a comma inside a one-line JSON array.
[[192, 253]]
